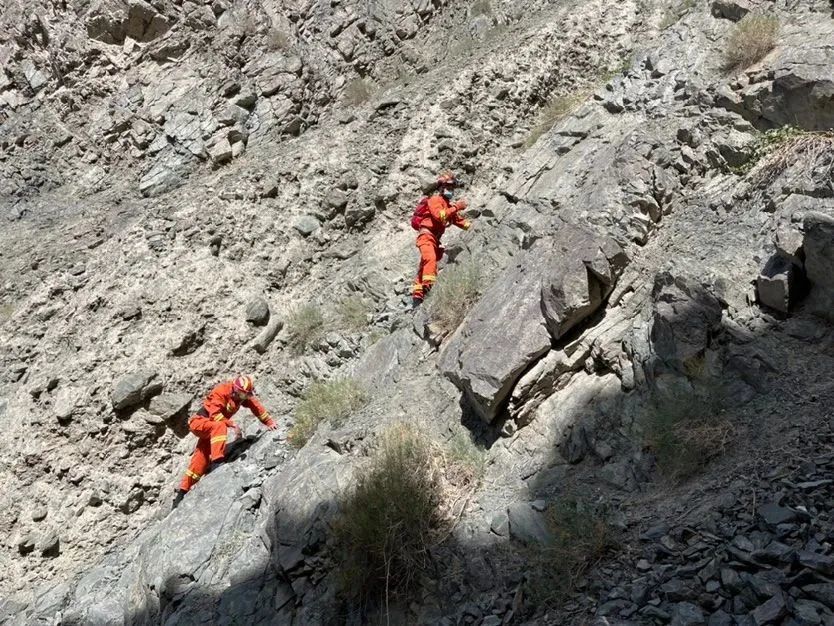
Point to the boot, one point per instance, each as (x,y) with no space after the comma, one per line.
(178,498)
(215,464)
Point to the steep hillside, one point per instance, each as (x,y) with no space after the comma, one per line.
(650,347)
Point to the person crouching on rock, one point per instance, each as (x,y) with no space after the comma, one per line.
(430,219)
(212,422)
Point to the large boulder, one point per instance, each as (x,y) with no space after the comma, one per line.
(819,261)
(134,388)
(554,285)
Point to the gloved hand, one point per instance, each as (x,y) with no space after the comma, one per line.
(270,424)
(461,205)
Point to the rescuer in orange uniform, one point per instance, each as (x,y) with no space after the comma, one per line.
(431,218)
(213,420)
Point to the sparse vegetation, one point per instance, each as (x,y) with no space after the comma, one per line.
(685,433)
(353,313)
(779,148)
(751,39)
(357,91)
(557,109)
(453,296)
(464,453)
(6,311)
(581,536)
(304,326)
(332,400)
(402,503)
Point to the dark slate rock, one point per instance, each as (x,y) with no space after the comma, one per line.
(687,614)
(132,389)
(821,592)
(257,312)
(771,611)
(819,562)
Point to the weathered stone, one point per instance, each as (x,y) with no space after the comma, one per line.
(771,611)
(732,9)
(819,261)
(687,614)
(169,405)
(358,213)
(773,514)
(221,152)
(306,225)
(268,334)
(49,545)
(257,312)
(822,592)
(133,389)
(776,284)
(527,525)
(553,286)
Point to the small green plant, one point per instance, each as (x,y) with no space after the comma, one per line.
(751,39)
(557,109)
(353,314)
(456,291)
(403,502)
(357,91)
(581,536)
(304,326)
(334,400)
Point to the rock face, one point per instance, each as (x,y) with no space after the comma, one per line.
(161,163)
(553,286)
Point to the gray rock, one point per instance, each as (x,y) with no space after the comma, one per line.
(732,9)
(527,525)
(687,614)
(819,261)
(358,213)
(268,334)
(49,545)
(257,312)
(134,388)
(777,283)
(306,225)
(771,611)
(821,592)
(819,562)
(169,405)
(221,152)
(500,524)
(553,286)
(773,514)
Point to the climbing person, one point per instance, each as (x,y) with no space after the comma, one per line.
(431,217)
(211,423)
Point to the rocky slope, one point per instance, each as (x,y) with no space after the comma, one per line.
(165,165)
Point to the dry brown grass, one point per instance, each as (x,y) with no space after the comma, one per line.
(751,39)
(457,289)
(555,110)
(405,500)
(781,148)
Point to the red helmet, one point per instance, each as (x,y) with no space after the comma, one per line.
(244,385)
(447,179)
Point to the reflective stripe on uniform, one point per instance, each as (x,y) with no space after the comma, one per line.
(193,475)
(218,417)
(429,278)
(218,438)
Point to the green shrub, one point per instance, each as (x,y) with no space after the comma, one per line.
(557,109)
(581,536)
(403,502)
(333,400)
(304,326)
(751,39)
(465,454)
(457,289)
(353,314)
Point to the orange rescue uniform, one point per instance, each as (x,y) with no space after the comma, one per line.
(441,214)
(210,425)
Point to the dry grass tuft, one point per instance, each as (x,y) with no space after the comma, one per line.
(556,110)
(581,537)
(357,91)
(751,39)
(334,400)
(457,289)
(780,148)
(304,326)
(403,502)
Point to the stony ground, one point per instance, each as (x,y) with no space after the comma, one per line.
(170,168)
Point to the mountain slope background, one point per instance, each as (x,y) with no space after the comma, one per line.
(165,165)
